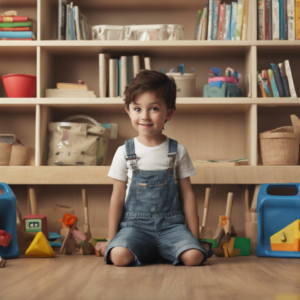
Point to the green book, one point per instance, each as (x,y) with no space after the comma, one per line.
(15,24)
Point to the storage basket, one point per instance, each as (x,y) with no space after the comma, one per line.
(107,32)
(280,146)
(185,84)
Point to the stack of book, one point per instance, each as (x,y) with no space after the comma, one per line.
(15,27)
(116,73)
(220,21)
(72,24)
(277,81)
(70,90)
(278,19)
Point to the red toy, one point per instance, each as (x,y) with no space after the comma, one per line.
(5,238)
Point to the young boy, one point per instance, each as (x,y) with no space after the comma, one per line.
(152,194)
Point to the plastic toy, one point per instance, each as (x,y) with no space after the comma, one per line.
(94,241)
(35,223)
(5,238)
(205,232)
(237,246)
(8,212)
(40,247)
(287,239)
(278,205)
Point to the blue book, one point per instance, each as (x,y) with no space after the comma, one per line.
(210,19)
(17,34)
(278,79)
(281,20)
(216,22)
(233,20)
(273,84)
(228,22)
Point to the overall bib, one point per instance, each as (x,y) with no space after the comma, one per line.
(153,221)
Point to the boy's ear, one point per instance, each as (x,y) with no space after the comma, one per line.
(170,114)
(126,109)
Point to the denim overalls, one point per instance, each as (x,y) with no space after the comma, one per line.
(153,222)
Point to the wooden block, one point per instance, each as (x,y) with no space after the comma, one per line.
(253,217)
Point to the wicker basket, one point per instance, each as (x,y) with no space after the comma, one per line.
(280,146)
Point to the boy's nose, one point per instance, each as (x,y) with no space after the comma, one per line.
(145,116)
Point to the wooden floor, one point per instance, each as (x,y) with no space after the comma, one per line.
(87,277)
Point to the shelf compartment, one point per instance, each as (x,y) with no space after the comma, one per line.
(98,175)
(20,121)
(68,64)
(118,12)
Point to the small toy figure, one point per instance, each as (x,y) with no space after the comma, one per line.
(35,223)
(2,262)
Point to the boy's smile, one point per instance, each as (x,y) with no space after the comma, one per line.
(148,115)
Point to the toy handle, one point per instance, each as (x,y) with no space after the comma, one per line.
(264,189)
(6,190)
(85,206)
(229,205)
(206,204)
(81,117)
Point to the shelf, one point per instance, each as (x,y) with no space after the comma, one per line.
(98,175)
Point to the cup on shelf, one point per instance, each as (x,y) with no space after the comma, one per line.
(19,156)
(19,85)
(5,153)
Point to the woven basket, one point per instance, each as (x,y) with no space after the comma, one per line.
(279,147)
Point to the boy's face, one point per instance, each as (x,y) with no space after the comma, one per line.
(148,114)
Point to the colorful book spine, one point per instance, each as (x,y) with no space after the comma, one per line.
(216,21)
(281,20)
(204,31)
(13,19)
(262,85)
(200,26)
(297,19)
(6,39)
(288,72)
(273,84)
(197,24)
(267,20)
(210,20)
(16,24)
(16,29)
(285,20)
(291,19)
(17,34)
(245,20)
(226,34)
(265,76)
(239,20)
(233,20)
(261,19)
(278,79)
(284,80)
(221,21)
(275,19)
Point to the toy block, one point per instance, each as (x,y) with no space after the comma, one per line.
(35,223)
(239,246)
(69,244)
(5,238)
(40,247)
(287,239)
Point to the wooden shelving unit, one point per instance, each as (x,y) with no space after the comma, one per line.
(210,128)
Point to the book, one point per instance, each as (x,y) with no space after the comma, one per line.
(239,20)
(15,29)
(103,74)
(281,20)
(123,74)
(216,21)
(113,77)
(77,23)
(13,19)
(200,25)
(268,17)
(288,72)
(73,86)
(261,85)
(291,19)
(147,61)
(265,75)
(269,4)
(284,80)
(65,93)
(273,84)
(278,79)
(210,19)
(285,20)
(226,31)
(245,20)
(85,27)
(297,19)
(16,24)
(221,21)
(17,34)
(62,6)
(275,19)
(3,39)
(233,20)
(204,29)
(261,19)
(197,24)
(136,65)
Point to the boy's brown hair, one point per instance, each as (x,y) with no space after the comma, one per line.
(147,81)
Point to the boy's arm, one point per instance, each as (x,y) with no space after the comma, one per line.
(189,205)
(116,207)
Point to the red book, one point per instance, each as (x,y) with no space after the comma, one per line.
(13,19)
(15,29)
(221,21)
(16,39)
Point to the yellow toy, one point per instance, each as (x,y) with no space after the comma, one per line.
(40,247)
(287,239)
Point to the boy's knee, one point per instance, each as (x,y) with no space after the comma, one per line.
(121,256)
(192,257)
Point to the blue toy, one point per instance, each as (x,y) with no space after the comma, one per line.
(8,212)
(275,212)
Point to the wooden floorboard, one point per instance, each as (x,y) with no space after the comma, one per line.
(88,277)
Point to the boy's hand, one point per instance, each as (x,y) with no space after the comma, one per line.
(100,248)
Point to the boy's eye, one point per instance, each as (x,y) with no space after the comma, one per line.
(154,108)
(137,109)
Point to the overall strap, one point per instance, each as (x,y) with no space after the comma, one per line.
(130,153)
(172,155)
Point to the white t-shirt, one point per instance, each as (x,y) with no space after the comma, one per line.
(150,158)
